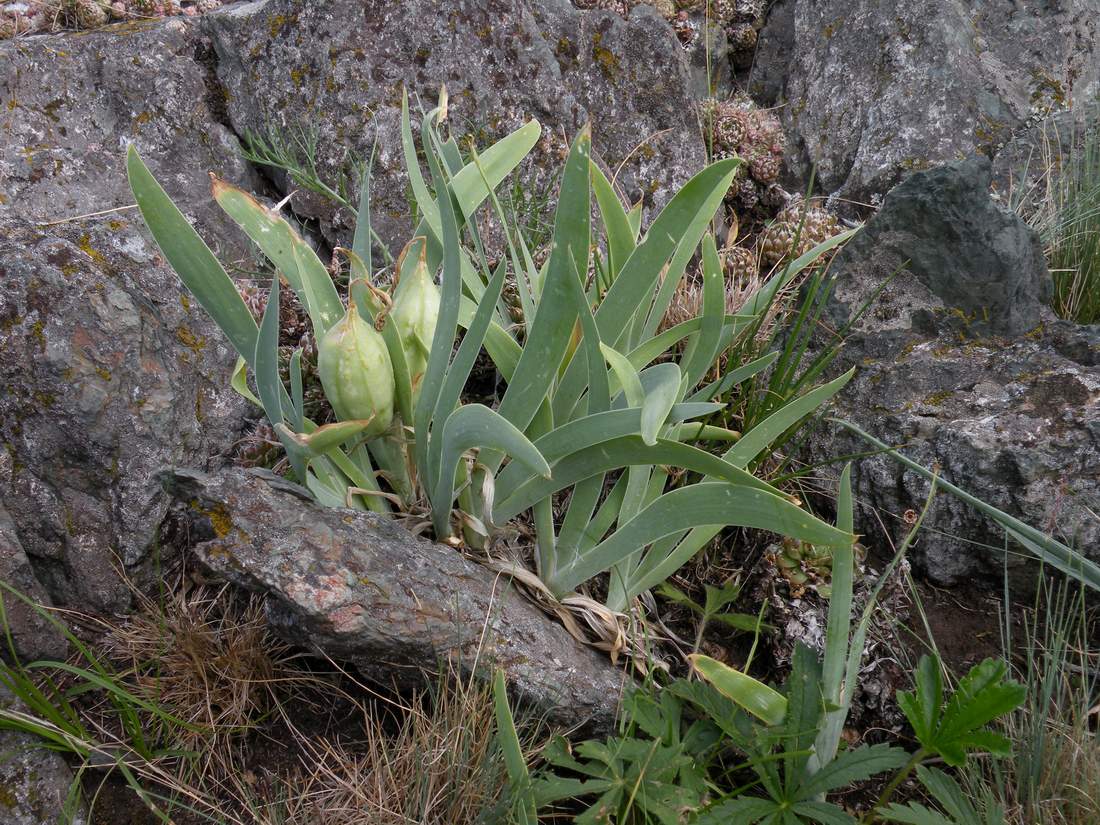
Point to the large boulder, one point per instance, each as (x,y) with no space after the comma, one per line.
(966,260)
(364,590)
(962,366)
(35,783)
(871,90)
(72,104)
(107,371)
(334,71)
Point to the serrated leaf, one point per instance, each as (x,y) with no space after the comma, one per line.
(853,766)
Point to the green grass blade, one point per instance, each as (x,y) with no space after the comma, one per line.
(759,437)
(512,751)
(734,377)
(1044,547)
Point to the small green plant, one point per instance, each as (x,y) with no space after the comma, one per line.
(786,741)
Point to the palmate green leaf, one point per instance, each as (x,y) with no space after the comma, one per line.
(548,338)
(983,695)
(954,800)
(824,812)
(853,766)
(285,248)
(475,425)
(742,809)
(709,503)
(192,259)
(763,702)
(922,706)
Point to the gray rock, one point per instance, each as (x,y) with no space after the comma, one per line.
(873,90)
(365,591)
(107,372)
(34,782)
(946,370)
(967,261)
(72,104)
(1016,424)
(32,634)
(337,67)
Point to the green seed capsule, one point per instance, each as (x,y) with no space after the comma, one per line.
(356,372)
(415,311)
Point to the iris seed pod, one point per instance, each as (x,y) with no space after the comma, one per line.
(415,311)
(356,372)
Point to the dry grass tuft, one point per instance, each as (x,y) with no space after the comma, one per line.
(432,761)
(206,657)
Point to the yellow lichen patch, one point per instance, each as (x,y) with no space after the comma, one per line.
(85,244)
(218,517)
(195,343)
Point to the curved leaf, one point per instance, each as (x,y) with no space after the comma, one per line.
(766,704)
(192,259)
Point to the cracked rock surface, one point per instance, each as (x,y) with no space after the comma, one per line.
(338,67)
(364,590)
(107,372)
(872,91)
(960,362)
